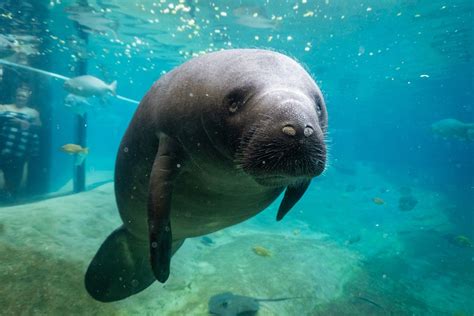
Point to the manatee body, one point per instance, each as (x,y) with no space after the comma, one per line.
(212,143)
(452,128)
(88,86)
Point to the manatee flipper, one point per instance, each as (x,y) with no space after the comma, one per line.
(292,195)
(120,268)
(165,169)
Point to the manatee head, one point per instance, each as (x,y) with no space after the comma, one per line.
(285,140)
(260,110)
(276,134)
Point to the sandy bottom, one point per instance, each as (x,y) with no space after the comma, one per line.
(337,253)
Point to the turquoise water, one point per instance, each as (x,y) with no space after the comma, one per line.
(396,200)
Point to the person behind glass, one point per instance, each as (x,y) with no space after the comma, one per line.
(19,127)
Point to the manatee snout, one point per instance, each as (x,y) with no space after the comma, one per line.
(288,144)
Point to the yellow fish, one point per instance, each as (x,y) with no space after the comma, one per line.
(259,250)
(378,201)
(463,241)
(74,149)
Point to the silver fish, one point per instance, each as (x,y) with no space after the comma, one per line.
(254,17)
(452,128)
(256,22)
(92,20)
(88,86)
(77,104)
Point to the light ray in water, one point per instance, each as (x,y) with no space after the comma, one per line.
(54,75)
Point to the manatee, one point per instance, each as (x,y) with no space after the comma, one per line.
(213,142)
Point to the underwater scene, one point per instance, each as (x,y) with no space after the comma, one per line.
(237,157)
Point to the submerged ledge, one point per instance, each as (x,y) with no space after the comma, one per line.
(47,247)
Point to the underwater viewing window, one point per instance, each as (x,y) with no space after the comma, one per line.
(43,129)
(25,110)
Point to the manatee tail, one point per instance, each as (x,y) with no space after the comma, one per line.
(113,88)
(120,268)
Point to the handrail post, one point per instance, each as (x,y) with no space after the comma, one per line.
(79,183)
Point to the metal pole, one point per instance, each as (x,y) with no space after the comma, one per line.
(81,121)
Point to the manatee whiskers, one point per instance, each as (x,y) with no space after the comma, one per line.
(327,163)
(246,139)
(266,116)
(260,154)
(327,138)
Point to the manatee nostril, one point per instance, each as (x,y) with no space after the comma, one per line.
(289,130)
(308,131)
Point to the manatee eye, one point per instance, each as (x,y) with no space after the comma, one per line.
(319,109)
(236,99)
(234,107)
(318,101)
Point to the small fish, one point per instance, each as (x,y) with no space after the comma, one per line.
(78,150)
(92,20)
(463,241)
(74,149)
(207,241)
(77,104)
(352,240)
(261,251)
(378,201)
(452,128)
(254,17)
(256,22)
(88,86)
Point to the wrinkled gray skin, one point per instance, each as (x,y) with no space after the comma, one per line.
(213,143)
